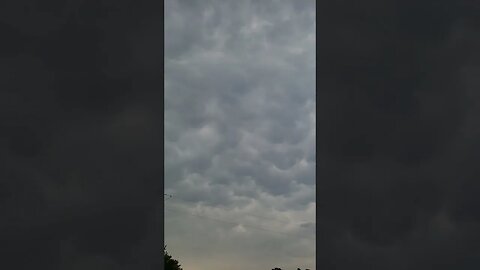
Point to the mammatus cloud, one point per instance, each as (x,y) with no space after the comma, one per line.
(239,133)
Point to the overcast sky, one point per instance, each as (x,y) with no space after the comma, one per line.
(398,135)
(80,122)
(240,134)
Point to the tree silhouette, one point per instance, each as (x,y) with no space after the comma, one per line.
(170,263)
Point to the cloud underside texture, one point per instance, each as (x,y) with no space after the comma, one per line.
(398,138)
(239,132)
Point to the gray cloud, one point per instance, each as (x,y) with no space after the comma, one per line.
(240,128)
(79,133)
(398,136)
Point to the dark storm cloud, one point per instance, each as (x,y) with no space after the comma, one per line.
(237,101)
(79,133)
(396,135)
(239,131)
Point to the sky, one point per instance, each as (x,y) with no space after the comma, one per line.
(398,135)
(80,135)
(240,134)
(396,155)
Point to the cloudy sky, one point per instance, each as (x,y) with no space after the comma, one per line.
(398,135)
(80,122)
(397,125)
(240,134)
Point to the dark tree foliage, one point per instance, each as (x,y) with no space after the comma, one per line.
(170,263)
